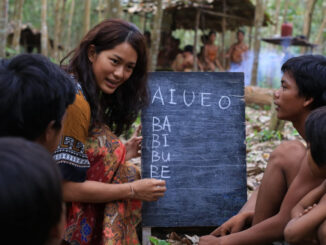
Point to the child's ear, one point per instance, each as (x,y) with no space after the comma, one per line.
(308,101)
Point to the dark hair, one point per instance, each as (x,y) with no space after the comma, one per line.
(241,31)
(120,109)
(210,33)
(30,192)
(33,92)
(309,73)
(315,129)
(188,48)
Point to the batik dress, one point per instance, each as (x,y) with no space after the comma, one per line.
(96,155)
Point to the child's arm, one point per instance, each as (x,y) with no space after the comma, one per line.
(308,215)
(308,200)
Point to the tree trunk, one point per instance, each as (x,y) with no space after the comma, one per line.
(114,9)
(319,38)
(18,12)
(309,9)
(87,17)
(71,14)
(285,7)
(62,24)
(277,13)
(57,28)
(3,27)
(258,96)
(259,17)
(156,35)
(44,29)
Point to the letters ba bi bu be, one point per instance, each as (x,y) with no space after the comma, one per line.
(161,126)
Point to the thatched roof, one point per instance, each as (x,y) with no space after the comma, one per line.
(237,13)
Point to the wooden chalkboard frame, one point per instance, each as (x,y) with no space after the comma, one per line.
(209,104)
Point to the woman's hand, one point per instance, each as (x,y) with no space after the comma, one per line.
(235,224)
(148,189)
(133,145)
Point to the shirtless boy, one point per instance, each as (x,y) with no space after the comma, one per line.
(287,177)
(237,50)
(308,223)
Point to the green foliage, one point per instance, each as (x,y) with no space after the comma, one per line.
(156,241)
(266,135)
(11,52)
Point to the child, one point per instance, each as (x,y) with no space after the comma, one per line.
(34,95)
(31,206)
(309,215)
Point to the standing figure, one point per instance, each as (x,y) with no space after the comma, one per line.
(237,52)
(211,53)
(103,191)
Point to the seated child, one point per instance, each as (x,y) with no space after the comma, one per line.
(31,206)
(308,222)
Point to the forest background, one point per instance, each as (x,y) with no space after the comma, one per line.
(64,22)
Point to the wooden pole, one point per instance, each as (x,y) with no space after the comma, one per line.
(195,68)
(223,33)
(3,27)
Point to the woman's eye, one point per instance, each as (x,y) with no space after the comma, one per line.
(114,61)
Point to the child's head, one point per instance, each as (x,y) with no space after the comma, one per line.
(309,73)
(34,95)
(31,206)
(315,128)
(303,87)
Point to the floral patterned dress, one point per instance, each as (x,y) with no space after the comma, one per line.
(114,222)
(98,156)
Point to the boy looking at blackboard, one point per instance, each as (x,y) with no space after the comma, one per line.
(287,177)
(309,215)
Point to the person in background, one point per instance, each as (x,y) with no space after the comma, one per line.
(308,221)
(211,52)
(31,206)
(103,191)
(238,53)
(185,60)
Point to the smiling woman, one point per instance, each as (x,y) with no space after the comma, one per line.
(102,189)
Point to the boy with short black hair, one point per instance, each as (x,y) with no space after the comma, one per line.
(34,95)
(309,215)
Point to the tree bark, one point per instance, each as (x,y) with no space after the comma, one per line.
(44,29)
(57,28)
(156,35)
(71,14)
(259,17)
(319,38)
(3,27)
(62,24)
(87,17)
(277,13)
(18,12)
(285,7)
(309,9)
(114,9)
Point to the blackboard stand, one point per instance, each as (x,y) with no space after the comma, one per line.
(147,232)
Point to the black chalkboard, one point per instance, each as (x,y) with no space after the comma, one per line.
(194,138)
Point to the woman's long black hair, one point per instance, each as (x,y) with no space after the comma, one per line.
(120,109)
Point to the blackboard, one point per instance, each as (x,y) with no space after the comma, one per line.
(194,139)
